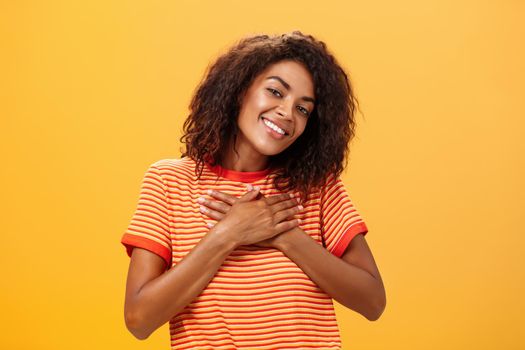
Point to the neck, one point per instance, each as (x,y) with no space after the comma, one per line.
(246,159)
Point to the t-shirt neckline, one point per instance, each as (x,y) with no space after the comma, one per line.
(243,176)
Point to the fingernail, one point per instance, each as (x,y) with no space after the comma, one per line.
(210,192)
(257,188)
(249,187)
(291,195)
(300,207)
(202,209)
(200,200)
(209,224)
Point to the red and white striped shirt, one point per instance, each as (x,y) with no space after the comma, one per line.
(259,298)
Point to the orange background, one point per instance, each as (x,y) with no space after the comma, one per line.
(94,92)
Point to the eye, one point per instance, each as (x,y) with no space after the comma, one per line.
(303,110)
(274,92)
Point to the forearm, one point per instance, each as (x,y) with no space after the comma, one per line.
(348,284)
(165,296)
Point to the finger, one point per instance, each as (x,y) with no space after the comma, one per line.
(214,205)
(287,225)
(271,200)
(286,205)
(226,198)
(248,196)
(283,214)
(211,213)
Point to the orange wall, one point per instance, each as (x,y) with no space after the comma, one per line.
(93,92)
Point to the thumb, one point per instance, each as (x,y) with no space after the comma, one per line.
(251,194)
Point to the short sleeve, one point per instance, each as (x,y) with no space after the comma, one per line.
(340,221)
(150,224)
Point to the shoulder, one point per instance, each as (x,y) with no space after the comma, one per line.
(330,182)
(170,163)
(175,168)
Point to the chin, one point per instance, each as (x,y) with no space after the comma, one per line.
(267,151)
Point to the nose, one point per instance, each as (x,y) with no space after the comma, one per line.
(285,109)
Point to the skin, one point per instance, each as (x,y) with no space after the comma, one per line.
(267,96)
(352,280)
(154,295)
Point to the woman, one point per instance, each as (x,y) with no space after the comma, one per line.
(244,241)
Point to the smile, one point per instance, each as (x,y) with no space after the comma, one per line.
(273,130)
(274,127)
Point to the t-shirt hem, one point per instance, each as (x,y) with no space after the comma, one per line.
(131,241)
(347,237)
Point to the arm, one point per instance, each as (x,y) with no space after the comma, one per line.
(352,280)
(154,297)
(361,288)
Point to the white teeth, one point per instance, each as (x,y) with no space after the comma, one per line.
(273,126)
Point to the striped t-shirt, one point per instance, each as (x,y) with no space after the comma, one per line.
(259,298)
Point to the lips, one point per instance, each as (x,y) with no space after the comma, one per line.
(286,131)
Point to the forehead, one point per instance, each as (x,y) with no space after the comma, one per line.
(292,72)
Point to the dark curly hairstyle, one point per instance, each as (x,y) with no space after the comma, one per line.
(321,150)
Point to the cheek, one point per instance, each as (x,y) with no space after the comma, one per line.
(258,100)
(252,101)
(298,133)
(301,126)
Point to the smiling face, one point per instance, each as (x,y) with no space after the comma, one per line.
(274,111)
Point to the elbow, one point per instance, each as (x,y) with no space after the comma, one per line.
(135,325)
(375,314)
(377,308)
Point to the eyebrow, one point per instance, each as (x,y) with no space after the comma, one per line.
(287,86)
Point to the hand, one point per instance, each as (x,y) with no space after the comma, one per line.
(222,203)
(277,240)
(274,241)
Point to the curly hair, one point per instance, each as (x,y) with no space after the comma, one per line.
(321,150)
